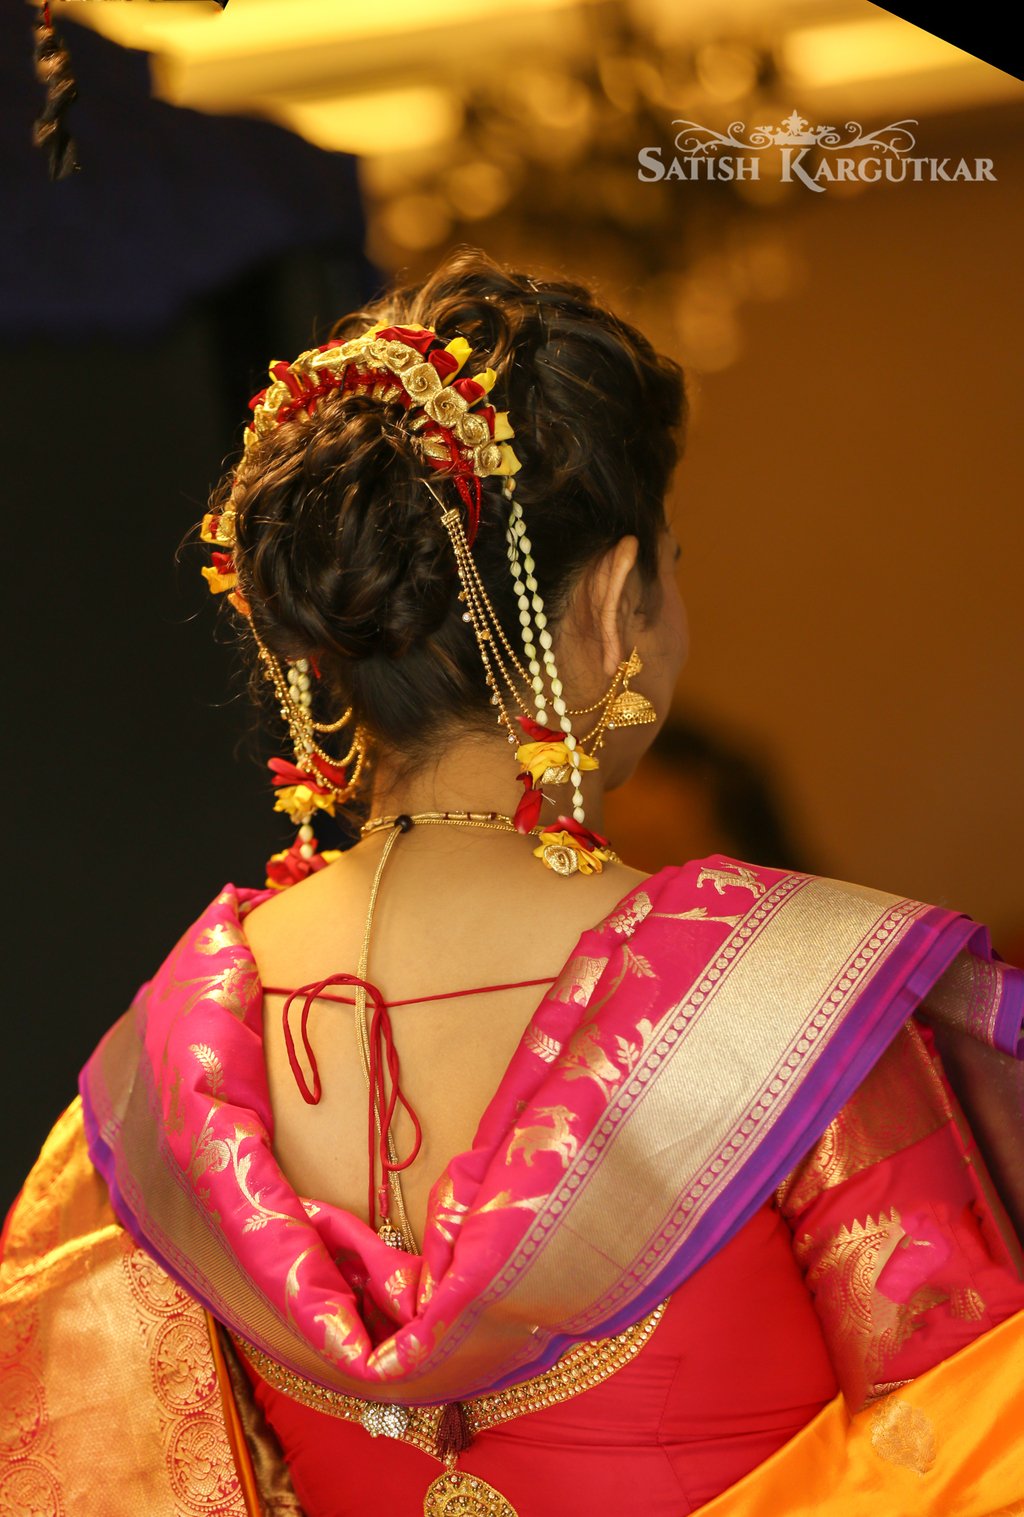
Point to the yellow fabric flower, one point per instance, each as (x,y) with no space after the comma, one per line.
(217,580)
(460,350)
(300,801)
(509,462)
(565,854)
(486,379)
(218,528)
(539,759)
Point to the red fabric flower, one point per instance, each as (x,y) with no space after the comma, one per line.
(589,840)
(528,810)
(288,867)
(281,371)
(470,391)
(413,337)
(537,733)
(443,361)
(287,773)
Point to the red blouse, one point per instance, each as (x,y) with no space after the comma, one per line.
(883,1253)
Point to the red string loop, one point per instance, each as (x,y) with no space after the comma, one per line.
(385,1091)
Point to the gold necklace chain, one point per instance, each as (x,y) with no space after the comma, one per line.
(400,1236)
(495,820)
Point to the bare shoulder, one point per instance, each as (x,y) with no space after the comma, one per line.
(281,912)
(286,930)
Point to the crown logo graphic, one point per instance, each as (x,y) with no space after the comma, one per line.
(697,141)
(796,132)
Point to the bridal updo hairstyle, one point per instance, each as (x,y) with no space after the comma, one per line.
(340,549)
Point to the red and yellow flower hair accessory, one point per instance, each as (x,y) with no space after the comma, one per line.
(460,434)
(455,430)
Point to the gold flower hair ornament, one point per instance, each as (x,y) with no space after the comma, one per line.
(452,427)
(458,433)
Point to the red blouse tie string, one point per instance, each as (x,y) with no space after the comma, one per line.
(383,1068)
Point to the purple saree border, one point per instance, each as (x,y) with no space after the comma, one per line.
(1008,1027)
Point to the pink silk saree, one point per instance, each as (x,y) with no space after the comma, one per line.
(696,1044)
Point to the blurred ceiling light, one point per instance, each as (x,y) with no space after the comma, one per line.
(191,27)
(553,98)
(626,79)
(373,123)
(728,71)
(820,56)
(477,189)
(230,60)
(709,335)
(764,267)
(416,222)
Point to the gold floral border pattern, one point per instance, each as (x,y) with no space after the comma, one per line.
(580,1369)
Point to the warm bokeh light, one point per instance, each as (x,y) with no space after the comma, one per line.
(882,48)
(374,121)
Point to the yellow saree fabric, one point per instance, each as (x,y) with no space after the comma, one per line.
(948,1444)
(110,1402)
(117,1401)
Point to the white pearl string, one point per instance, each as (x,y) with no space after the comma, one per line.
(300,689)
(535,630)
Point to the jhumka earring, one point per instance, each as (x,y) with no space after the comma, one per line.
(620,706)
(629,708)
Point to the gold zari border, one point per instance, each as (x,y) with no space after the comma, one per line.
(580,1369)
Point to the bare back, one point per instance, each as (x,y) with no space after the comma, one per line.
(454,912)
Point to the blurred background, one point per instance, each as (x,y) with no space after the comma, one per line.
(849,505)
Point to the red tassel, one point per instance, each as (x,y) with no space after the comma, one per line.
(453,1435)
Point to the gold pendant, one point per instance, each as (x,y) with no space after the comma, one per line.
(390,1235)
(456,1494)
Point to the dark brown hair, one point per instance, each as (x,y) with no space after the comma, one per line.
(340,549)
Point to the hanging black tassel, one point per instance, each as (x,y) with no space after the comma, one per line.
(453,1435)
(53,69)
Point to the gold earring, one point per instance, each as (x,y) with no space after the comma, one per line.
(629,708)
(621,707)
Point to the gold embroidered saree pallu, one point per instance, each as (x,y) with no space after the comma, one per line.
(116,1397)
(698,1041)
(695,1045)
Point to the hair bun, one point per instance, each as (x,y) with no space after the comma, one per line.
(342,549)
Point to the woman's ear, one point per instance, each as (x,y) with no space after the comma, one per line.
(611,601)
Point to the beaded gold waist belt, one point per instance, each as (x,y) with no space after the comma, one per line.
(444,1431)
